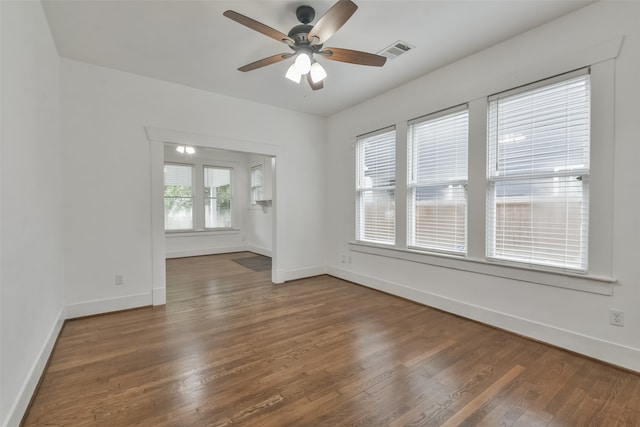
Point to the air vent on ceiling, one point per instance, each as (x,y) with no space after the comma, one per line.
(396,49)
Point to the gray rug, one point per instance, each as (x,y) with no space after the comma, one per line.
(255,263)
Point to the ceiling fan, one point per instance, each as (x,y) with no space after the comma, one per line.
(307,40)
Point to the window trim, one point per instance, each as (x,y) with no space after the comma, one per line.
(193,198)
(492,180)
(360,188)
(231,204)
(198,220)
(590,283)
(254,202)
(411,185)
(599,279)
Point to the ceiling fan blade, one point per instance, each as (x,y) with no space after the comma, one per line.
(258,26)
(314,86)
(331,21)
(266,61)
(353,56)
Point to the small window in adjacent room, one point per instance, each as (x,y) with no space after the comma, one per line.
(178,197)
(217,197)
(375,187)
(538,173)
(437,175)
(257,184)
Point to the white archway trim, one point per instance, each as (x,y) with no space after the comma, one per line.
(157,137)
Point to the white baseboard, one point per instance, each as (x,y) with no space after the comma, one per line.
(204,251)
(259,251)
(21,403)
(107,305)
(616,354)
(159,296)
(300,273)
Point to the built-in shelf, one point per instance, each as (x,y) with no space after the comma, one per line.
(264,204)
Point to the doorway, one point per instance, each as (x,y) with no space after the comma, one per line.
(158,139)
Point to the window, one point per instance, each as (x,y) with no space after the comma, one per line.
(217,197)
(375,187)
(178,197)
(257,184)
(437,175)
(538,170)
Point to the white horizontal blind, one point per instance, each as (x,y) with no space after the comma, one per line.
(375,187)
(178,197)
(538,170)
(437,196)
(217,197)
(257,183)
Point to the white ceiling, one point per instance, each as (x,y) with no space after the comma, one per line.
(191,43)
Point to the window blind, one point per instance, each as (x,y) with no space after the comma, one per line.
(437,196)
(375,187)
(538,170)
(178,197)
(217,197)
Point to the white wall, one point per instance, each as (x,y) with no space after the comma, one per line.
(572,319)
(31,279)
(179,244)
(107,160)
(259,229)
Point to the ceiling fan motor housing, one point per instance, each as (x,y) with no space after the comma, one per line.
(299,33)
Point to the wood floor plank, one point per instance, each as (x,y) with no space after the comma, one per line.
(482,398)
(231,348)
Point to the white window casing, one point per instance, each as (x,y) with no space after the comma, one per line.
(178,197)
(218,197)
(437,181)
(538,165)
(257,184)
(375,187)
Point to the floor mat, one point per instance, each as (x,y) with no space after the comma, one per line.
(255,263)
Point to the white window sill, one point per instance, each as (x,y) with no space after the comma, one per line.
(201,233)
(579,282)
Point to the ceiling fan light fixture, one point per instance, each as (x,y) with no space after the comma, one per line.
(182,149)
(293,74)
(305,40)
(318,72)
(303,63)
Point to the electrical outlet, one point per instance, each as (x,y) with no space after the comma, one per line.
(119,280)
(343,258)
(349,259)
(616,317)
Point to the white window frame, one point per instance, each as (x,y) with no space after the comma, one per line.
(455,183)
(198,197)
(231,203)
(532,254)
(366,187)
(599,278)
(193,198)
(256,187)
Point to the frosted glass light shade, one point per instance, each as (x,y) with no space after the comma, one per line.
(293,74)
(182,149)
(303,63)
(318,72)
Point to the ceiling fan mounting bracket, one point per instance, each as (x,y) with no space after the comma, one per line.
(305,14)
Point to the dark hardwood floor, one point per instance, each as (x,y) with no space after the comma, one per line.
(231,348)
